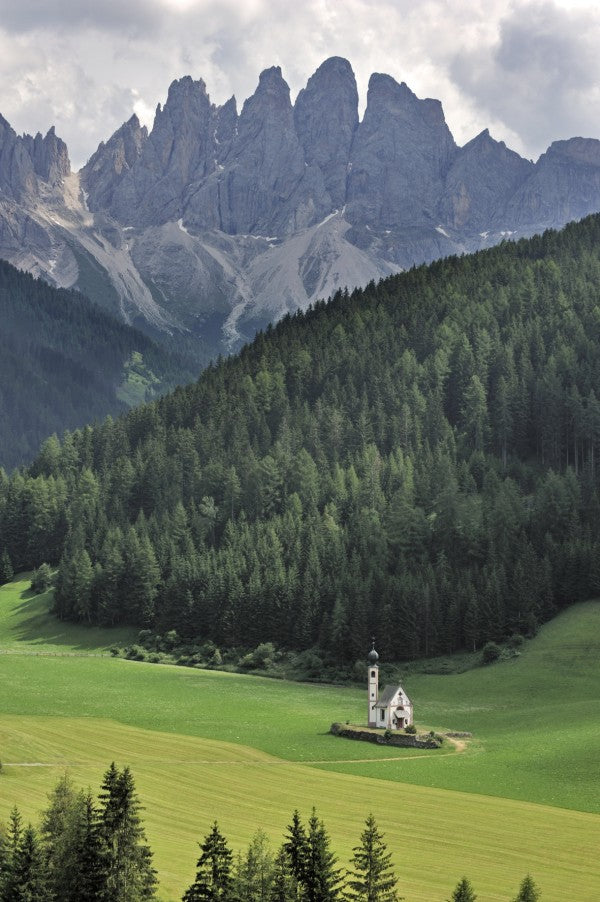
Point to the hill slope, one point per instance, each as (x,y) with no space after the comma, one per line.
(416,460)
(64,362)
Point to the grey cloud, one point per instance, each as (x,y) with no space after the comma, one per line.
(141,16)
(541,79)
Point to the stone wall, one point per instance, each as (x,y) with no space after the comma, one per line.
(402,740)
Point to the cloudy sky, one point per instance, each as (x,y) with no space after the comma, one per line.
(527,69)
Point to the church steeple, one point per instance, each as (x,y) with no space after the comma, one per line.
(372,685)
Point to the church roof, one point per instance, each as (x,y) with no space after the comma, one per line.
(387,694)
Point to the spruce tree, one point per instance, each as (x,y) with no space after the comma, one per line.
(528,891)
(89,874)
(296,849)
(321,882)
(284,886)
(214,882)
(254,871)
(74,851)
(53,831)
(6,568)
(463,892)
(372,878)
(130,875)
(26,877)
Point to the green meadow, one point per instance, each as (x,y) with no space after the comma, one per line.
(523,796)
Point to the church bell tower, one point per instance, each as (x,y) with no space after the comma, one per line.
(373,686)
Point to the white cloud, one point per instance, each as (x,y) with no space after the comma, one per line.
(527,70)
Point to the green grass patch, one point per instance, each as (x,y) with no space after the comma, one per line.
(435,836)
(139,382)
(247,750)
(27,626)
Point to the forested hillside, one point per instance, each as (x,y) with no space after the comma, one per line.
(416,460)
(64,363)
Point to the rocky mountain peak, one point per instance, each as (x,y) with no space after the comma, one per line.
(271,80)
(482,174)
(564,185)
(400,154)
(51,157)
(326,118)
(271,98)
(179,149)
(108,165)
(583,151)
(25,161)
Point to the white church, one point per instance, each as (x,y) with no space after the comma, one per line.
(390,710)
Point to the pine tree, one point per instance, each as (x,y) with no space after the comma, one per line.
(130,876)
(296,849)
(254,871)
(89,876)
(26,878)
(528,891)
(321,882)
(463,892)
(284,886)
(6,568)
(371,878)
(8,852)
(53,832)
(74,851)
(214,882)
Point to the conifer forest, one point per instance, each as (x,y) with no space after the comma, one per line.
(417,460)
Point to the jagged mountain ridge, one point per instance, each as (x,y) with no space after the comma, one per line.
(216,222)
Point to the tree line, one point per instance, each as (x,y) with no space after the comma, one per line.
(88,850)
(418,460)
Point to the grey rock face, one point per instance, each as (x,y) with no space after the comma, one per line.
(106,168)
(564,185)
(24,160)
(483,174)
(50,157)
(326,119)
(178,149)
(401,153)
(265,185)
(17,172)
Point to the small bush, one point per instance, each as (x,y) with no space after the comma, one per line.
(135,653)
(491,652)
(216,658)
(115,651)
(170,640)
(410,729)
(260,659)
(516,641)
(387,735)
(41,579)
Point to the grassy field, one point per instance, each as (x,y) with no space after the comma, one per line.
(248,750)
(26,626)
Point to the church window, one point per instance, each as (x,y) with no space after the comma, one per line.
(372,673)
